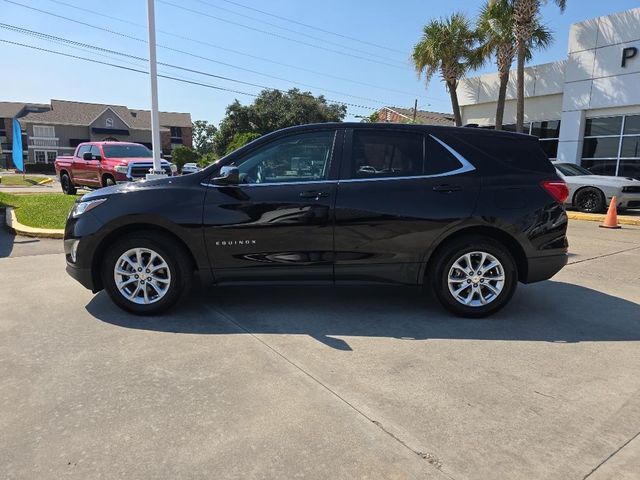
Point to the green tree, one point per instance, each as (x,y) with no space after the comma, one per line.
(241,139)
(273,110)
(525,15)
(203,136)
(207,159)
(183,154)
(495,27)
(447,46)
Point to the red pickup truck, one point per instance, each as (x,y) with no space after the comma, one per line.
(100,164)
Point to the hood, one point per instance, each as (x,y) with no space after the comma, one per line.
(602,180)
(141,185)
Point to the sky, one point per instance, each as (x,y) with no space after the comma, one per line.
(352,51)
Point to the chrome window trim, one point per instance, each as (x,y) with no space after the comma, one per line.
(466,167)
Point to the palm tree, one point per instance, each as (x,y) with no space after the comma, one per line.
(525,13)
(496,30)
(447,47)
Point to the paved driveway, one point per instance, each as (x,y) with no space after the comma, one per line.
(323,382)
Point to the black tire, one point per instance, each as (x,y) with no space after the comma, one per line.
(443,262)
(67,185)
(179,265)
(108,181)
(590,200)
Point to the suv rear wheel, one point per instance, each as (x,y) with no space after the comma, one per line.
(146,274)
(474,276)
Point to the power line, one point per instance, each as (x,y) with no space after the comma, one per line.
(277,35)
(319,29)
(170,77)
(297,32)
(57,39)
(238,52)
(141,40)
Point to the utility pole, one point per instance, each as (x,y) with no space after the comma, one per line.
(156,171)
(415,110)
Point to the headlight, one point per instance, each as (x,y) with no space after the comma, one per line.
(83,207)
(174,169)
(122,168)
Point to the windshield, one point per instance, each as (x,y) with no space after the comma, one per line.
(570,170)
(126,151)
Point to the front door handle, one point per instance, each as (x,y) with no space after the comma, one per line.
(314,194)
(446,188)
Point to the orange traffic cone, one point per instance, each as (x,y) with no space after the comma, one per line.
(611,220)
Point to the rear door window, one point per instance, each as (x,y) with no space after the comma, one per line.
(384,154)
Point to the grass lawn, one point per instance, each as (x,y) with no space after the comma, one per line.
(18,181)
(48,210)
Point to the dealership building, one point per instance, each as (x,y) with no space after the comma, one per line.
(585,109)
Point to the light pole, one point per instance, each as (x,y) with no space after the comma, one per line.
(156,171)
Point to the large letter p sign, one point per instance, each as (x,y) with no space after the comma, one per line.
(627,54)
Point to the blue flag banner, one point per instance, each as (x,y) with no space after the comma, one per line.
(18,159)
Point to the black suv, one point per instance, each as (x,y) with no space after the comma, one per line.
(464,212)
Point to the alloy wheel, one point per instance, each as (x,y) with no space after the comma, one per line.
(476,279)
(142,276)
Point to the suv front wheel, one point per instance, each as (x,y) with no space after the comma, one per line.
(146,274)
(474,276)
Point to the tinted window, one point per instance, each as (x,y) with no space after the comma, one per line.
(439,159)
(516,151)
(126,151)
(295,158)
(630,147)
(570,170)
(547,129)
(605,147)
(550,148)
(632,125)
(386,154)
(603,126)
(95,151)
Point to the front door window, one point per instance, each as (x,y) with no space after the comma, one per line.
(294,159)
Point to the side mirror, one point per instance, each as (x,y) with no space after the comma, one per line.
(229,175)
(87,156)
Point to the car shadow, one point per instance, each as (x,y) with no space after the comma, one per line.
(550,311)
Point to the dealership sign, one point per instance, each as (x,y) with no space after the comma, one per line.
(627,54)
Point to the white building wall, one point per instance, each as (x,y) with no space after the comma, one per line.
(595,77)
(591,82)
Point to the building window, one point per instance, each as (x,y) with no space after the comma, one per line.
(612,145)
(548,132)
(45,156)
(176,135)
(44,131)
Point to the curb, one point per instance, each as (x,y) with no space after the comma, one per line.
(19,229)
(599,217)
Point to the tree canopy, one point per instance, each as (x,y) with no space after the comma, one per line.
(273,110)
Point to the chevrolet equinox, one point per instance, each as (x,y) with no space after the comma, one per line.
(465,213)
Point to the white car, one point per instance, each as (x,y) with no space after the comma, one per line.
(592,193)
(190,168)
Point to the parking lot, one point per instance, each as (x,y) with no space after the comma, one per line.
(292,382)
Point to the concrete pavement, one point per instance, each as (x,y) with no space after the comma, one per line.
(276,382)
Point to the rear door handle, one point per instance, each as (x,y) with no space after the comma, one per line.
(445,188)
(314,194)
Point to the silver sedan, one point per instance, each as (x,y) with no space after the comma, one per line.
(592,193)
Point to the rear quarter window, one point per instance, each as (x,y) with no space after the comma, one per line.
(520,152)
(439,160)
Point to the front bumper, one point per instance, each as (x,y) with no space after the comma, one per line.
(543,268)
(628,200)
(82,275)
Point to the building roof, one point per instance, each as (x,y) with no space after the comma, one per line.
(422,116)
(65,112)
(11,109)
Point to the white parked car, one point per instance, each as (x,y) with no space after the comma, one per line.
(592,193)
(190,168)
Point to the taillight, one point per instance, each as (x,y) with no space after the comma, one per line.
(557,189)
